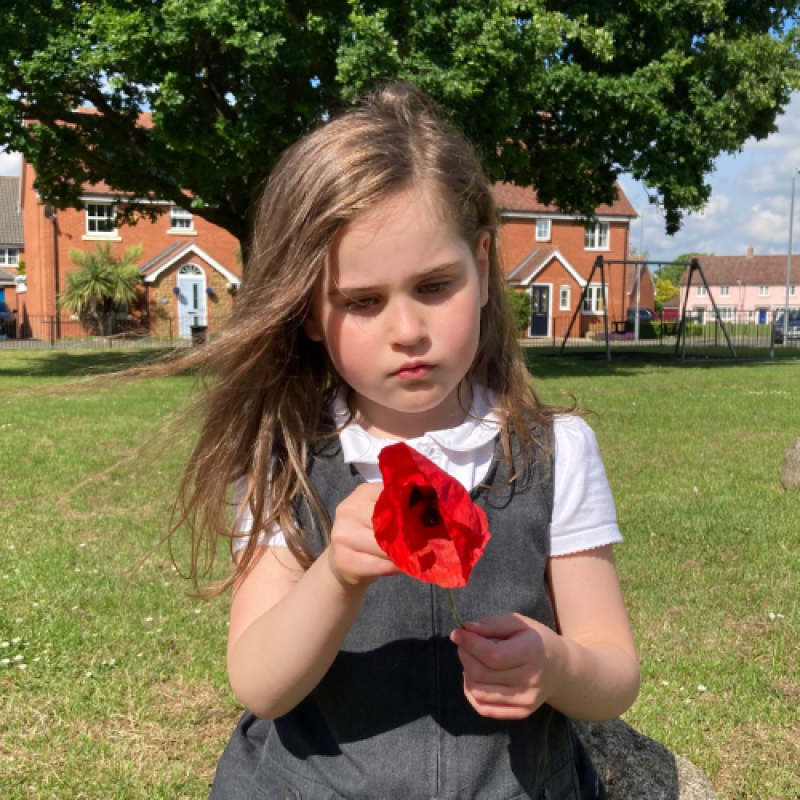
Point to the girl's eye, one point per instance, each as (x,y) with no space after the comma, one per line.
(362,304)
(434,288)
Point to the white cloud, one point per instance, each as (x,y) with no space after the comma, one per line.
(768,227)
(749,203)
(10,163)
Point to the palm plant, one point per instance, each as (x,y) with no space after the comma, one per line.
(102,281)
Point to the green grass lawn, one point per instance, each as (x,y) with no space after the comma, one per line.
(103,701)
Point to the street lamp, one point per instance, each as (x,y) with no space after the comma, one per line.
(789,263)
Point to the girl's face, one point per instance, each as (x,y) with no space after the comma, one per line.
(398,310)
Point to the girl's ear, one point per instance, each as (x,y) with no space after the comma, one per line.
(482,260)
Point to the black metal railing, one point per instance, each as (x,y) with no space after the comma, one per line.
(32,331)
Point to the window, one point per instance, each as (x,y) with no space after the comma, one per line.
(180,219)
(763,291)
(596,236)
(563,299)
(542,230)
(726,313)
(9,255)
(701,291)
(593,302)
(700,314)
(100,218)
(791,291)
(724,291)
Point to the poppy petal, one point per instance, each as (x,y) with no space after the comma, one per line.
(425,520)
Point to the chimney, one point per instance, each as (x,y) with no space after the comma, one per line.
(750,251)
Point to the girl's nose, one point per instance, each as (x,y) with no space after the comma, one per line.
(407,324)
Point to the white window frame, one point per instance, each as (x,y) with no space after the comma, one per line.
(594,235)
(180,216)
(545,234)
(699,312)
(564,299)
(791,291)
(95,219)
(701,291)
(726,313)
(763,291)
(594,299)
(9,256)
(724,291)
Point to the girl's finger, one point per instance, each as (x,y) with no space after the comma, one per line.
(500,695)
(502,627)
(476,671)
(500,655)
(496,711)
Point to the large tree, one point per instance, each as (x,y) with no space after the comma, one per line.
(560,94)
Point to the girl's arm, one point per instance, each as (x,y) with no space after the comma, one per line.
(589,670)
(287,624)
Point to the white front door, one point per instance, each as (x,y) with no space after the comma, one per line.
(191,299)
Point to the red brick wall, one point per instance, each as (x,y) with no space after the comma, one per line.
(45,260)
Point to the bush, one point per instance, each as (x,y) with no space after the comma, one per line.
(647,330)
(693,329)
(520,303)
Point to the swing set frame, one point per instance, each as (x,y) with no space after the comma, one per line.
(695,268)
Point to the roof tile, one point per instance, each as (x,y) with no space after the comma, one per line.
(510,197)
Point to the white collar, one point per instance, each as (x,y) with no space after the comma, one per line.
(479,428)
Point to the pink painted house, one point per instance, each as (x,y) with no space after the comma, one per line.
(750,287)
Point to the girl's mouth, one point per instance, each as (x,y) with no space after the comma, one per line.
(411,371)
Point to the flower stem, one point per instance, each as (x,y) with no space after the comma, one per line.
(453,608)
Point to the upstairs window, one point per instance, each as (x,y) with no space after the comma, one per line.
(701,291)
(791,291)
(180,219)
(542,230)
(596,236)
(9,255)
(724,291)
(763,291)
(100,218)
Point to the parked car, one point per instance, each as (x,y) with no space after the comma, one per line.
(8,322)
(793,331)
(645,314)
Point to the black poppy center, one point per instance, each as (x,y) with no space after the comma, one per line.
(430,516)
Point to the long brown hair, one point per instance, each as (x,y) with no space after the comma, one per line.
(268,385)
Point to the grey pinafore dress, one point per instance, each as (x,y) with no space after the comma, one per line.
(390,719)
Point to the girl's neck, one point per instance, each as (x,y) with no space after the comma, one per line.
(384,423)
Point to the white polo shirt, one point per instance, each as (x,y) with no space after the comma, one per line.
(583,517)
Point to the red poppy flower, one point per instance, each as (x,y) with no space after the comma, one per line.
(425,520)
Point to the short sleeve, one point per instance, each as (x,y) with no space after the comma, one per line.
(245,523)
(584,515)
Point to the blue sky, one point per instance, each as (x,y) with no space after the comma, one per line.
(749,202)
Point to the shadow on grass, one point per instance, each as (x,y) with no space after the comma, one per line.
(55,364)
(548,362)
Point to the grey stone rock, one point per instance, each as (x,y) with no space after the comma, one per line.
(790,472)
(635,767)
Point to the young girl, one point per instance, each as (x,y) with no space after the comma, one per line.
(373,310)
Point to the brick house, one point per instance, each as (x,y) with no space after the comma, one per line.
(750,287)
(189,267)
(12,241)
(550,255)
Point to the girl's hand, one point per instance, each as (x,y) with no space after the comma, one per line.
(510,665)
(353,555)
